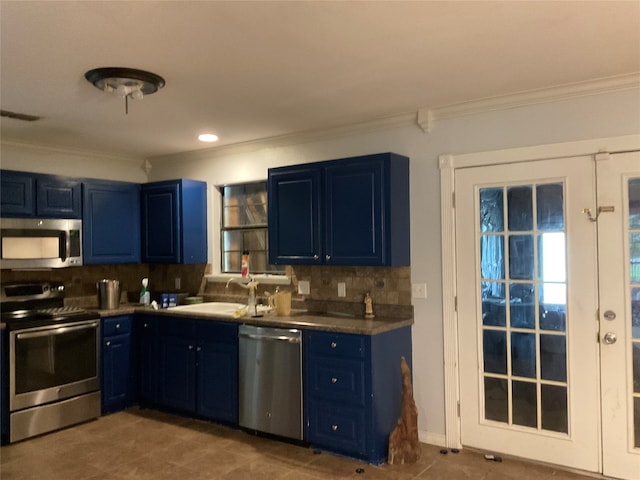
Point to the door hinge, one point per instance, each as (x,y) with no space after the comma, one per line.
(455,303)
(453,199)
(458,408)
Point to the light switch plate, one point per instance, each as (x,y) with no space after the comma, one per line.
(304,288)
(419,290)
(342,289)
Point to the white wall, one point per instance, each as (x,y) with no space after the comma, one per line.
(71,163)
(601,116)
(598,116)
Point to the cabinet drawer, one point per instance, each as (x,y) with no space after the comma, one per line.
(338,429)
(219,332)
(177,327)
(116,325)
(335,344)
(336,380)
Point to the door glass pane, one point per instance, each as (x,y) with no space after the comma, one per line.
(554,408)
(521,257)
(522,305)
(550,206)
(495,351)
(493,304)
(634,274)
(491,210)
(496,399)
(525,404)
(523,355)
(553,352)
(520,208)
(525,345)
(492,257)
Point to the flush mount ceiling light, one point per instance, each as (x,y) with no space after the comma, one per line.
(208,137)
(125,82)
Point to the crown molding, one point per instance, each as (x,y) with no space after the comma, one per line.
(381,123)
(530,97)
(70,151)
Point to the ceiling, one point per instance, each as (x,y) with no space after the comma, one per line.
(254,70)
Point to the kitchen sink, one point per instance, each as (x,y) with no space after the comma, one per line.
(220,309)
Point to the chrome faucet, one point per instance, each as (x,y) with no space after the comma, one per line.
(252,286)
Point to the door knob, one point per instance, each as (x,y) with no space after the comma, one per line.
(609,338)
(610,315)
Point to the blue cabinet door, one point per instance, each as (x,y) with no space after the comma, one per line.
(18,194)
(177,363)
(117,366)
(58,197)
(111,222)
(354,213)
(147,351)
(217,367)
(177,373)
(174,222)
(295,223)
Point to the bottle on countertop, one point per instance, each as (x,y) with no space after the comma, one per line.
(245,263)
(145,296)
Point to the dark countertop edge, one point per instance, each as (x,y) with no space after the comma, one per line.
(303,320)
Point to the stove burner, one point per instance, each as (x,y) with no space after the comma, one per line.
(61,311)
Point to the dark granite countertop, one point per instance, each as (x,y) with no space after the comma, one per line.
(328,322)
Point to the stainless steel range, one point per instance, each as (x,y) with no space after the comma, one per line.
(53,359)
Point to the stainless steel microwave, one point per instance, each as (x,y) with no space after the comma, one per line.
(32,243)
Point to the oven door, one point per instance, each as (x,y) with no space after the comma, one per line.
(53,362)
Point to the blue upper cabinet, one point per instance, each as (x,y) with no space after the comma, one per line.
(295,226)
(111,222)
(352,211)
(174,222)
(58,197)
(18,194)
(27,194)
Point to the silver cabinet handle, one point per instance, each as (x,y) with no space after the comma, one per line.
(609,338)
(146,325)
(328,257)
(198,349)
(117,325)
(190,347)
(108,344)
(334,380)
(315,257)
(334,427)
(334,344)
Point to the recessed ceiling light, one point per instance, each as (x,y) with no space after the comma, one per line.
(208,137)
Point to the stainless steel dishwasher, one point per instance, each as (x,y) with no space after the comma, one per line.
(270,393)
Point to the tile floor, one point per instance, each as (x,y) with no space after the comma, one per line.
(146,444)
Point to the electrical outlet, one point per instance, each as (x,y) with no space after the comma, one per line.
(342,289)
(176,283)
(304,287)
(419,290)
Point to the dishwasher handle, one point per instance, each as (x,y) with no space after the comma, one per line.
(273,338)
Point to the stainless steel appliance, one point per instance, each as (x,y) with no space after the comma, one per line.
(270,393)
(53,355)
(40,243)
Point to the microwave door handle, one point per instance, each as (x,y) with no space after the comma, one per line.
(55,331)
(67,246)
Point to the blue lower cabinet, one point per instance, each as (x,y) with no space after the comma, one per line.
(117,366)
(353,391)
(198,367)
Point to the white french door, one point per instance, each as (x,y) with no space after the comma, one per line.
(543,374)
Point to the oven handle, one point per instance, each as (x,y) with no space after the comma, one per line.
(56,330)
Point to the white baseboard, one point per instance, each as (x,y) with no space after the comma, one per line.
(438,439)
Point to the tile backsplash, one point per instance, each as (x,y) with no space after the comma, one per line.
(389,287)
